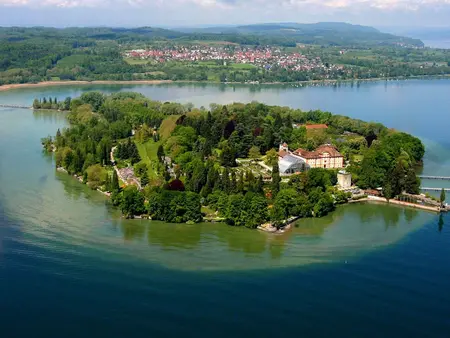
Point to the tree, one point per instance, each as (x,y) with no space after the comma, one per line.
(318,177)
(240,183)
(254,152)
(285,202)
(95,99)
(324,205)
(36,104)
(160,153)
(132,202)
(259,185)
(115,182)
(66,104)
(276,179)
(271,157)
(387,191)
(167,175)
(298,137)
(227,157)
(199,176)
(174,206)
(144,179)
(442,197)
(412,182)
(140,168)
(96,175)
(234,209)
(258,212)
(233,182)
(176,185)
(397,178)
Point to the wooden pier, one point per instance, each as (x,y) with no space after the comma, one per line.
(434,189)
(15,106)
(426,177)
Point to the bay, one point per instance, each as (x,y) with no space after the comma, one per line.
(69,266)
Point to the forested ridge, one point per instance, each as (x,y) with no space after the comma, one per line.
(194,163)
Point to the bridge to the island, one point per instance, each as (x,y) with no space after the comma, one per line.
(16,106)
(434,189)
(428,177)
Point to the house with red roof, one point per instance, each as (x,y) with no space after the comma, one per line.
(326,156)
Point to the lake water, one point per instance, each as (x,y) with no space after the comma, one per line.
(444,44)
(70,267)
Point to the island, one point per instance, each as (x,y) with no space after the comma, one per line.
(251,165)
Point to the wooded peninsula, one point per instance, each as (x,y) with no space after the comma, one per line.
(178,163)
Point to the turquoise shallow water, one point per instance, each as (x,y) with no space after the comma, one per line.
(70,267)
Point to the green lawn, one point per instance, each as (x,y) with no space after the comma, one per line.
(242,66)
(133,61)
(72,60)
(148,152)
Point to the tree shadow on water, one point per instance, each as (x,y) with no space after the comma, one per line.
(441,222)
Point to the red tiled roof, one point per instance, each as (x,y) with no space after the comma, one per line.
(328,148)
(325,148)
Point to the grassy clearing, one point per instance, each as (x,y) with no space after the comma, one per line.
(167,126)
(213,43)
(242,66)
(157,73)
(72,60)
(148,152)
(133,61)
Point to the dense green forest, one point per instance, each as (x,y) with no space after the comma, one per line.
(193,163)
(322,33)
(29,55)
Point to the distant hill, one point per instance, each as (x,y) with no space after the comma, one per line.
(282,34)
(322,33)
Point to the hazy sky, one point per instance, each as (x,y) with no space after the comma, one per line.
(197,12)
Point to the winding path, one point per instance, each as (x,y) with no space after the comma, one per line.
(135,179)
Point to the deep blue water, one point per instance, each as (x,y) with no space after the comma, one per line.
(401,291)
(70,268)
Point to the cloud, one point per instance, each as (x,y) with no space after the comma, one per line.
(194,12)
(379,4)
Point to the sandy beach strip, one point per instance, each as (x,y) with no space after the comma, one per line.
(66,83)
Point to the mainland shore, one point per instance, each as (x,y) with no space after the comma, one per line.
(156,82)
(68,83)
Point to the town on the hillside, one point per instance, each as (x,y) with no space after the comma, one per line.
(264,57)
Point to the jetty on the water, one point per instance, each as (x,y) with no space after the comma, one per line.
(434,189)
(427,177)
(15,106)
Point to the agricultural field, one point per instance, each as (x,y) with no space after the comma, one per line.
(72,61)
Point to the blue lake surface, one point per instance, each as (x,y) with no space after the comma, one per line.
(70,267)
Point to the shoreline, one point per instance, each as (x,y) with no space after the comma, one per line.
(158,82)
(68,83)
(382,200)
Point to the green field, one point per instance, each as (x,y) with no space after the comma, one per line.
(242,66)
(148,152)
(134,61)
(72,60)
